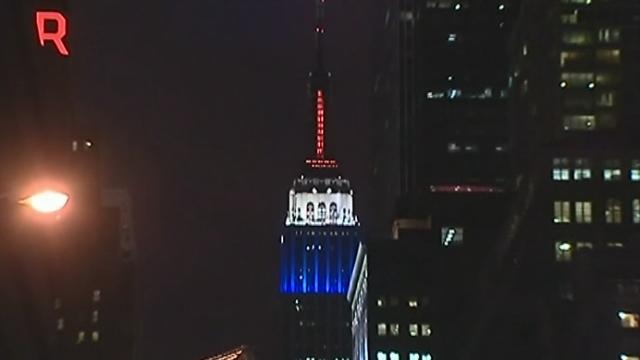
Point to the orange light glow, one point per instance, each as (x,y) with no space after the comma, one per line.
(47,201)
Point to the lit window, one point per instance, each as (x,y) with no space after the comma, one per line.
(577,79)
(609,35)
(414,356)
(381,355)
(394,356)
(607,79)
(587,2)
(606,99)
(577,37)
(452,37)
(611,171)
(453,93)
(629,320)
(60,324)
(608,56)
(96,295)
(584,246)
(94,316)
(561,212)
(583,212)
(380,302)
(413,329)
(394,329)
(564,251)
(95,336)
(80,338)
(453,147)
(572,57)
(629,357)
(634,172)
(57,303)
(425,330)
(452,236)
(613,211)
(612,174)
(426,356)
(560,170)
(382,329)
(579,122)
(571,18)
(635,208)
(413,303)
(582,170)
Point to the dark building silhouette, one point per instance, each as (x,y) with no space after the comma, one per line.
(68,281)
(573,289)
(393,292)
(444,150)
(319,241)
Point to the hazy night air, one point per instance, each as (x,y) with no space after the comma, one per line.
(319,179)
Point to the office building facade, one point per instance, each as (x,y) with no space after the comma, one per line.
(575,290)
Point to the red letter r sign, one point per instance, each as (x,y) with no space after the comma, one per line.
(42,17)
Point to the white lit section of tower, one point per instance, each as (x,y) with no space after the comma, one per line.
(321,201)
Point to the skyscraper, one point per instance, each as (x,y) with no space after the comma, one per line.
(443,145)
(76,285)
(319,240)
(575,243)
(441,96)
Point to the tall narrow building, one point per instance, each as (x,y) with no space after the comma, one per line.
(319,240)
(443,150)
(68,285)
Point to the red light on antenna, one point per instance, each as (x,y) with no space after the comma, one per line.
(56,37)
(319,124)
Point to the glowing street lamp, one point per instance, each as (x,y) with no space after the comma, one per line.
(46,202)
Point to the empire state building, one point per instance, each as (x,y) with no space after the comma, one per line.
(319,241)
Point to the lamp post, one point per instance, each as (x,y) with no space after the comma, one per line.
(21,333)
(46,202)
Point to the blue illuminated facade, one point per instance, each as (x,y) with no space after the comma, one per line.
(317,260)
(319,240)
(318,248)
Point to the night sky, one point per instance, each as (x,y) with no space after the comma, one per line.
(204,116)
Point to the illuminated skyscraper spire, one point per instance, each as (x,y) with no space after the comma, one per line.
(319,83)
